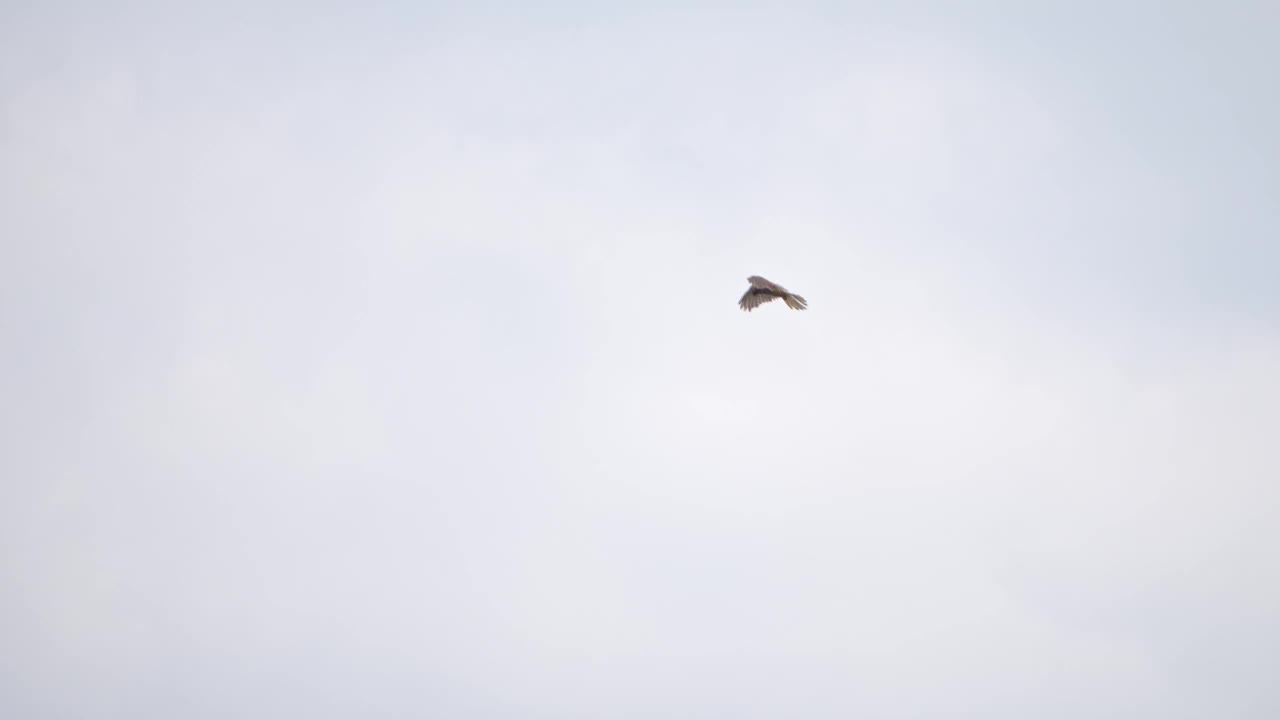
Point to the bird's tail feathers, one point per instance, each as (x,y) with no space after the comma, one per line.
(796,302)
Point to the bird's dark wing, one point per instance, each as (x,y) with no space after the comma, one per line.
(755,297)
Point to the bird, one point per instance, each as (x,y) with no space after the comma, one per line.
(762,291)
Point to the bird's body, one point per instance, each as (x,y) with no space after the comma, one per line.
(762,291)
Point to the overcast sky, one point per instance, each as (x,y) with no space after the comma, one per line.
(383,360)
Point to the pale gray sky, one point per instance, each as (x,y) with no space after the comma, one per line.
(383,360)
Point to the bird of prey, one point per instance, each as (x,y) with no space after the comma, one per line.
(762,291)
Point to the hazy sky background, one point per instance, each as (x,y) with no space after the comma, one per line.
(383,360)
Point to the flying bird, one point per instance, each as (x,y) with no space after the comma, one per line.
(762,291)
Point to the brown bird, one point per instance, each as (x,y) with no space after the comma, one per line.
(762,291)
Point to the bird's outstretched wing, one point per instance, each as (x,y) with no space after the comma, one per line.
(754,297)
